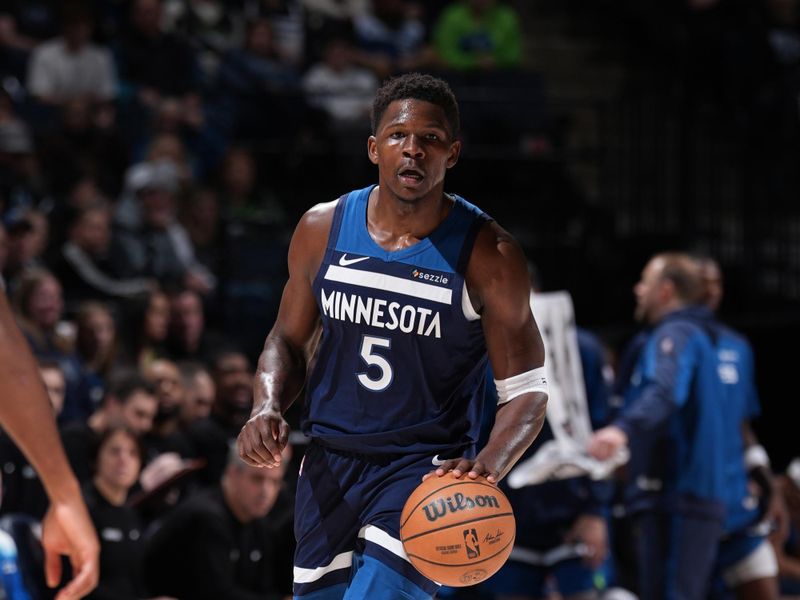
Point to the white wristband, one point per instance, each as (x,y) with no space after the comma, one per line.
(756,456)
(534,380)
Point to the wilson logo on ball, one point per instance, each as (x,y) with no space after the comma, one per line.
(455,503)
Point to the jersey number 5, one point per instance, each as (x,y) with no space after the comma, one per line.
(368,355)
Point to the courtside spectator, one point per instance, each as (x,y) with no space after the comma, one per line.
(233,541)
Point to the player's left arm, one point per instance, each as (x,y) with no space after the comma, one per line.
(499,287)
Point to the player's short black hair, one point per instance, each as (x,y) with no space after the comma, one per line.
(419,87)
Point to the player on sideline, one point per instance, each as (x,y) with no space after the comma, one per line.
(26,415)
(411,287)
(746,560)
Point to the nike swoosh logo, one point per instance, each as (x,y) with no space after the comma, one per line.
(437,462)
(345,262)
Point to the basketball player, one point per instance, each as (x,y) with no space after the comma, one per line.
(746,560)
(410,287)
(26,415)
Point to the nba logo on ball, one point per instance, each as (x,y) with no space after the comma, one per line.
(457,532)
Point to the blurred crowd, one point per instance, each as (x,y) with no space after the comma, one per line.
(154,157)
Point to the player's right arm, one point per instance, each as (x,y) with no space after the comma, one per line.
(281,371)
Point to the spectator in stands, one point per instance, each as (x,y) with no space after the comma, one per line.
(129,401)
(22,245)
(188,338)
(117,462)
(171,148)
(23,26)
(148,240)
(71,66)
(255,77)
(244,199)
(86,144)
(200,215)
(20,176)
(392,38)
(213,24)
(23,492)
(326,19)
(210,438)
(83,265)
(341,88)
(147,326)
(165,435)
(199,392)
(479,35)
(39,304)
(233,541)
(96,345)
(156,65)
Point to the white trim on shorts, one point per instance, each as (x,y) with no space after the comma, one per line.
(379,537)
(761,563)
(370,533)
(340,561)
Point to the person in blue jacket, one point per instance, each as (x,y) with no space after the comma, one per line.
(674,427)
(747,567)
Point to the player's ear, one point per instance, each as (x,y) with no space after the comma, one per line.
(372,149)
(455,152)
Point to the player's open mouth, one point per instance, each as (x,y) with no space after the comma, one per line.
(411,176)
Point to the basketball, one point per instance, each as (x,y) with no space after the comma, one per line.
(457,532)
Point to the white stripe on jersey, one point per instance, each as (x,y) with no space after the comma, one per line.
(389,283)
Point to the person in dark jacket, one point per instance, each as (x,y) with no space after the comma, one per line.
(234,541)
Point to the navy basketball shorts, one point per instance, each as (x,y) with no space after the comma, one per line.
(347,521)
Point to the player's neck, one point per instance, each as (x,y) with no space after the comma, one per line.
(395,223)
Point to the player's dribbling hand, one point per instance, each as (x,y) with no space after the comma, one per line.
(263,438)
(472,467)
(68,530)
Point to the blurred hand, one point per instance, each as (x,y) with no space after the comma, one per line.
(160,469)
(591,531)
(68,530)
(606,442)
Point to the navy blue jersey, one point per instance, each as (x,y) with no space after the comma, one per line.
(673,414)
(401,362)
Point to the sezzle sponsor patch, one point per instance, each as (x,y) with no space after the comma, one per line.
(430,277)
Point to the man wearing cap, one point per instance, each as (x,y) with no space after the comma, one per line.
(149,241)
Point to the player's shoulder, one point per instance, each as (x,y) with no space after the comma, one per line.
(495,248)
(318,217)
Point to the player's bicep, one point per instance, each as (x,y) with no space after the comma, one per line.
(298,315)
(512,337)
